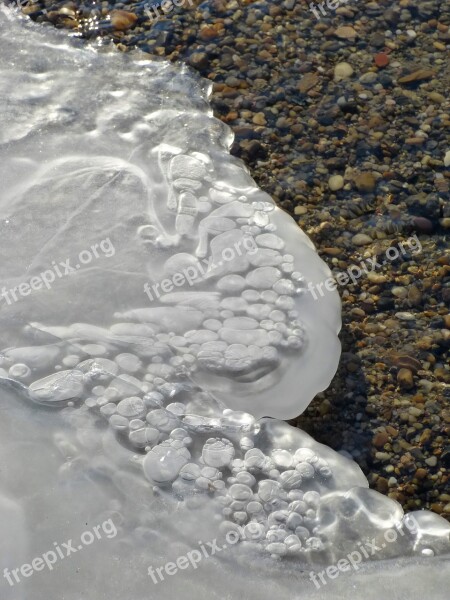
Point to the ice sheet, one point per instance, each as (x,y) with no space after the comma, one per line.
(154,310)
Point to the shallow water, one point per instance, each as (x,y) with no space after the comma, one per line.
(119,407)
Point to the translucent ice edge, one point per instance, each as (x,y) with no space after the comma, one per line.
(116,409)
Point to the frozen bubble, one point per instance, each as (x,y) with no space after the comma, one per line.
(254,458)
(210,472)
(299,506)
(94,349)
(268,490)
(163,463)
(190,472)
(302,532)
(254,507)
(179,433)
(314,543)
(131,407)
(296,495)
(153,399)
(270,240)
(231,283)
(306,470)
(277,316)
(251,295)
(19,371)
(278,519)
(303,454)
(282,458)
(284,287)
(246,443)
(269,296)
(254,531)
(118,423)
(218,453)
(98,390)
(240,517)
(162,420)
(202,483)
(285,303)
(128,362)
(108,409)
(293,542)
(71,361)
(245,478)
(290,479)
(294,520)
(312,499)
(100,369)
(144,437)
(241,492)
(212,324)
(177,408)
(59,386)
(263,277)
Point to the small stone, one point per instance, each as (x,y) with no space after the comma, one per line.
(342,71)
(336,182)
(407,362)
(422,224)
(447,159)
(361,239)
(436,97)
(300,210)
(376,278)
(431,461)
(307,82)
(199,60)
(380,439)
(421,473)
(419,75)
(368,78)
(259,119)
(122,19)
(345,32)
(365,182)
(405,379)
(381,59)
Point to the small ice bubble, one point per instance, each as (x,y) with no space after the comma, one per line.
(218,453)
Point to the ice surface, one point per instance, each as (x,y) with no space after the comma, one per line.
(143,408)
(115,176)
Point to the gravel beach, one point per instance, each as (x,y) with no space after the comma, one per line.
(342,114)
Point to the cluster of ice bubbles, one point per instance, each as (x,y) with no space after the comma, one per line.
(285,500)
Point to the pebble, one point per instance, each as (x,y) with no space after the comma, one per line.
(342,71)
(335,183)
(122,19)
(405,379)
(447,158)
(345,32)
(361,239)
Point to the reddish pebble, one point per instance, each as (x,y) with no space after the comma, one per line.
(381,59)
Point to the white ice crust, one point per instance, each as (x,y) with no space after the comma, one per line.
(149,406)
